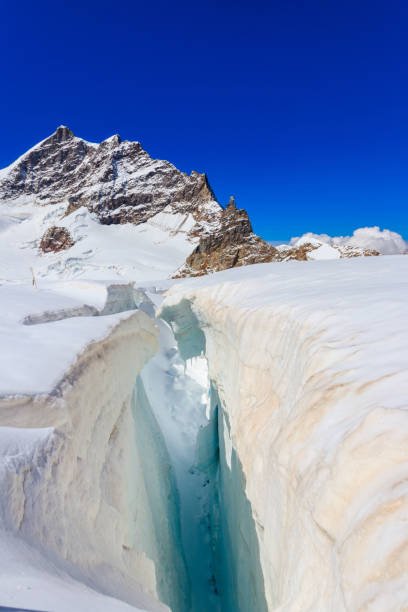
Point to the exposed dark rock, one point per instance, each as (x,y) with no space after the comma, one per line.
(349,251)
(232,244)
(301,252)
(56,239)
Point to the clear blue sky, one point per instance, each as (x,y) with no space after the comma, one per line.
(298,108)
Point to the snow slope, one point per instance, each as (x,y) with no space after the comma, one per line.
(152,250)
(310,364)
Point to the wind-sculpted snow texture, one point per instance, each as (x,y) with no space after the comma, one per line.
(311,372)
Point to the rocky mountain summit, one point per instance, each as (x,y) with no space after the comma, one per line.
(117,180)
(232,244)
(119,183)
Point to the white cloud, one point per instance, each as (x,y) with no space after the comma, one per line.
(385,241)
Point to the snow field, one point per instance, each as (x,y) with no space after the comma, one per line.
(152,250)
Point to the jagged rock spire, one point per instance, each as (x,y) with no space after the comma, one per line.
(231,203)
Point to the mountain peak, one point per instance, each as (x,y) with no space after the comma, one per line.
(62,133)
(115,140)
(116,180)
(119,183)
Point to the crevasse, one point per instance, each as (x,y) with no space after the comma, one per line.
(256,460)
(219,535)
(120,478)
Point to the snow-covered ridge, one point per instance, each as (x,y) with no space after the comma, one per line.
(127,215)
(312,375)
(119,213)
(117,180)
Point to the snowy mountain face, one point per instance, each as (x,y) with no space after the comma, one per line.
(118,181)
(65,185)
(57,197)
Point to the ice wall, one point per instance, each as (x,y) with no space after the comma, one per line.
(85,483)
(160,529)
(237,570)
(311,378)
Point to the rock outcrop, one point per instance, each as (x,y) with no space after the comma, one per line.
(233,244)
(304,252)
(56,239)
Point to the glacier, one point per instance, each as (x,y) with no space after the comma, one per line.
(311,374)
(233,442)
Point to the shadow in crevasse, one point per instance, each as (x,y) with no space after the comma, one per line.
(238,570)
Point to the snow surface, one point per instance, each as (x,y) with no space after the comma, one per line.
(324,251)
(152,250)
(31,581)
(33,358)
